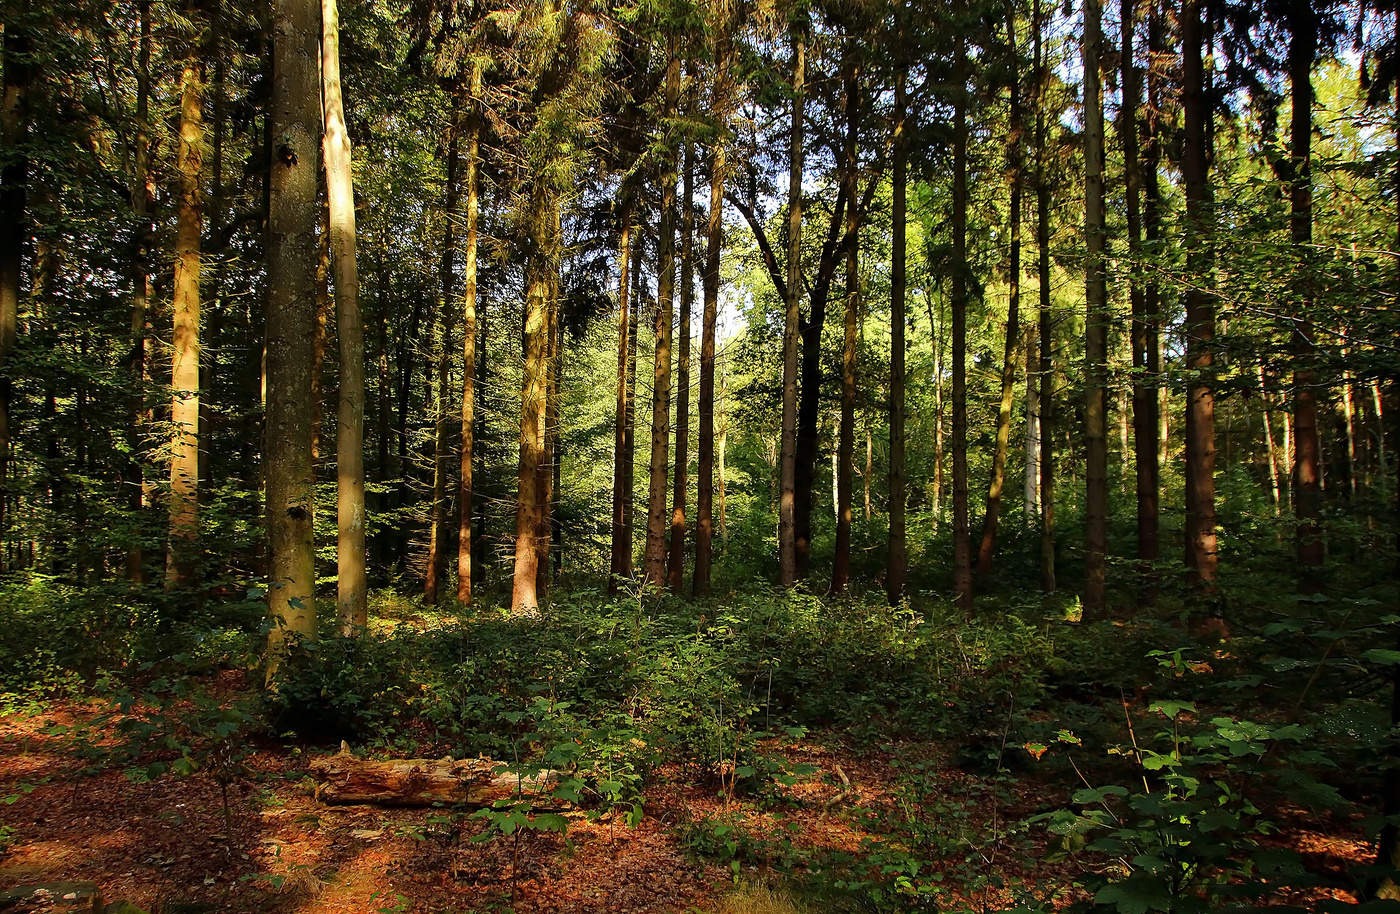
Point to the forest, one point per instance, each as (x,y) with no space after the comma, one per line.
(739,456)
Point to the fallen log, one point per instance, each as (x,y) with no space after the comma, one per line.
(343,778)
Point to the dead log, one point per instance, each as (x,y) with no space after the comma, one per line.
(343,778)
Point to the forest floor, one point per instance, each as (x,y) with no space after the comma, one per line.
(166,846)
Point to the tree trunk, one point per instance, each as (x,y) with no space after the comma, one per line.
(897,569)
(351,587)
(469,344)
(787,503)
(621,549)
(962,539)
(1096,323)
(676,559)
(714,238)
(1200,311)
(291,267)
(1030,494)
(1144,389)
(1307,473)
(549,467)
(1045,337)
(655,554)
(1266,409)
(182,556)
(142,205)
(629,437)
(14,180)
(987,549)
(841,565)
(529,507)
(438,389)
(343,778)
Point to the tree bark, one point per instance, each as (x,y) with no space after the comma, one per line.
(787,503)
(962,539)
(897,568)
(529,510)
(1307,472)
(1045,330)
(351,586)
(469,345)
(343,778)
(14,185)
(654,564)
(987,549)
(142,205)
(1144,384)
(704,501)
(1200,311)
(676,559)
(182,554)
(438,389)
(1096,323)
(296,121)
(1266,409)
(841,565)
(621,548)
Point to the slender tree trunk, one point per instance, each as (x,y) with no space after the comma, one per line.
(549,467)
(714,238)
(1045,332)
(629,437)
(869,469)
(621,549)
(723,451)
(1030,494)
(1095,327)
(1144,391)
(1200,311)
(438,389)
(962,539)
(676,558)
(142,204)
(351,587)
(1149,412)
(469,344)
(14,180)
(541,264)
(787,505)
(182,556)
(897,570)
(844,469)
(1307,473)
(655,554)
(1349,420)
(940,361)
(296,123)
(1266,408)
(987,548)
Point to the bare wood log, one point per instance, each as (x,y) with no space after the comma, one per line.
(343,778)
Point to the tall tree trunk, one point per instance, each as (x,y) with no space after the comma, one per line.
(787,503)
(629,436)
(896,570)
(1045,331)
(676,557)
(541,263)
(1030,493)
(962,539)
(1152,228)
(14,181)
(1266,408)
(182,555)
(1144,387)
(351,587)
(621,549)
(438,389)
(1307,473)
(291,266)
(142,204)
(841,565)
(1096,323)
(469,344)
(1200,310)
(938,329)
(655,554)
(987,549)
(704,500)
(549,467)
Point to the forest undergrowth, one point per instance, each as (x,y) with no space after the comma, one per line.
(847,754)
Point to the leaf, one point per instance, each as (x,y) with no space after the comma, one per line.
(1170,709)
(1136,895)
